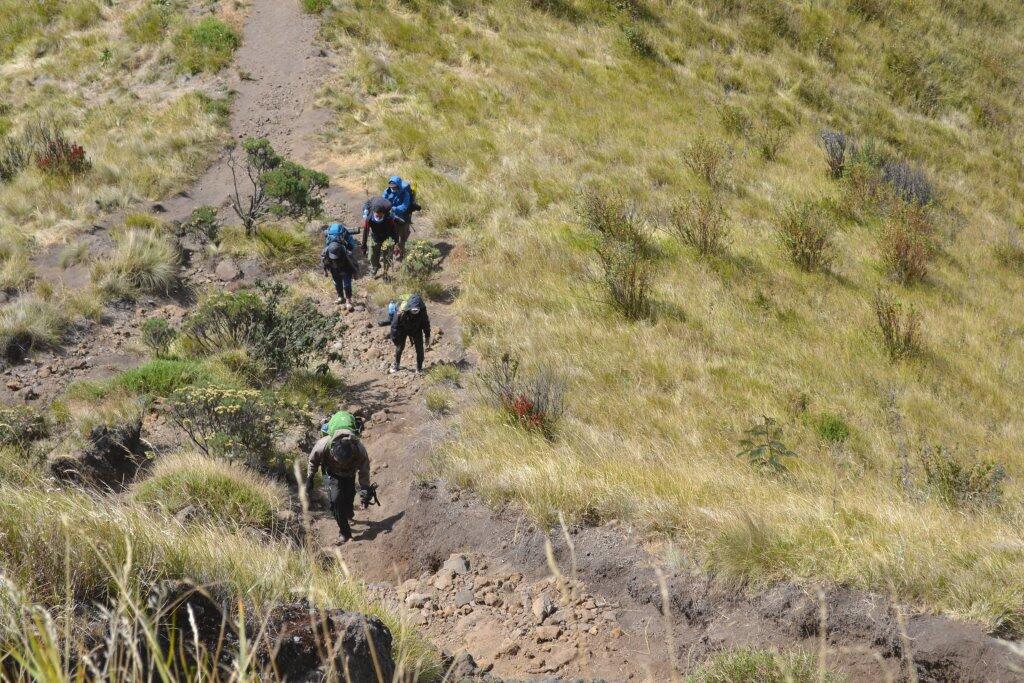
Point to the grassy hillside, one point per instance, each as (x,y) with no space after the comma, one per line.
(580,147)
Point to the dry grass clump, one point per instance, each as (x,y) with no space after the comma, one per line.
(31,323)
(143,262)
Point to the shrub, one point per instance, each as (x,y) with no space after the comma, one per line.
(216,491)
(960,485)
(59,156)
(709,159)
(422,259)
(157,335)
(624,253)
(236,424)
(910,183)
(203,221)
(273,185)
(835,145)
(206,45)
(806,235)
(28,324)
(900,329)
(763,448)
(20,426)
(768,138)
(831,428)
(283,337)
(907,244)
(143,262)
(638,41)
(14,156)
(701,223)
(536,402)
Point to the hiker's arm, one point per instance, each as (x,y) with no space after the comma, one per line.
(405,198)
(366,233)
(315,456)
(426,326)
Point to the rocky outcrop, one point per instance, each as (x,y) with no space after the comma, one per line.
(112,456)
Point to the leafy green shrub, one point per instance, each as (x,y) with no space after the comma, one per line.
(536,402)
(215,491)
(149,24)
(143,262)
(28,324)
(235,424)
(283,336)
(807,236)
(900,329)
(422,260)
(700,222)
(158,335)
(959,484)
(624,253)
(273,185)
(763,448)
(203,221)
(206,45)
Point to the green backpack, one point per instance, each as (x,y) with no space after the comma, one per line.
(342,420)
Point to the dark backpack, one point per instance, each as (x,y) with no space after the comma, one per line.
(336,257)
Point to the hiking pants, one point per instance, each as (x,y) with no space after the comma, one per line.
(375,253)
(342,284)
(404,230)
(342,493)
(417,340)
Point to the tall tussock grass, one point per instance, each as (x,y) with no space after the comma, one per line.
(732,106)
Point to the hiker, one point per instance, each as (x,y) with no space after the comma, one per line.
(410,321)
(378,227)
(400,194)
(341,456)
(339,262)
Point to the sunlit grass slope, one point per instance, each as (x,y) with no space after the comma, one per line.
(507,113)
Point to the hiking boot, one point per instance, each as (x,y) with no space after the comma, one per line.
(350,307)
(339,300)
(395,367)
(342,540)
(375,273)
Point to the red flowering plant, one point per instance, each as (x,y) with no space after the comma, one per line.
(535,402)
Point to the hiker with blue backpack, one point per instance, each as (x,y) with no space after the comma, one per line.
(402,197)
(338,261)
(378,227)
(342,457)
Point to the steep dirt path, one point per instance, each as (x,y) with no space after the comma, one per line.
(278,70)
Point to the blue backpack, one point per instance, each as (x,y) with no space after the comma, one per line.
(337,232)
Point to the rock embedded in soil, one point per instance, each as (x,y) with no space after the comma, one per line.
(457,564)
(463,597)
(227,271)
(542,608)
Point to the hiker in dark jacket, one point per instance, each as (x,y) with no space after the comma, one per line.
(341,463)
(378,227)
(410,321)
(340,264)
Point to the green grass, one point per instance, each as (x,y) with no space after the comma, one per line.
(762,666)
(731,102)
(282,247)
(205,45)
(316,6)
(438,401)
(220,492)
(156,378)
(143,262)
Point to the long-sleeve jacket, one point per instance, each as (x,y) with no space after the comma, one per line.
(359,463)
(381,230)
(401,199)
(404,322)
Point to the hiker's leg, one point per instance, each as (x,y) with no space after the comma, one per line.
(399,348)
(374,254)
(404,229)
(417,340)
(346,283)
(346,496)
(338,283)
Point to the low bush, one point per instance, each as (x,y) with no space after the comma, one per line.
(769,137)
(158,335)
(900,328)
(422,260)
(316,6)
(910,183)
(710,160)
(206,45)
(143,262)
(835,145)
(282,336)
(762,666)
(31,323)
(59,156)
(265,183)
(20,426)
(14,156)
(624,253)
(204,222)
(438,401)
(906,244)
(535,402)
(214,491)
(236,424)
(763,448)
(148,25)
(959,484)
(805,233)
(701,223)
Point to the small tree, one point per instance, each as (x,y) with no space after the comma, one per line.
(273,186)
(203,221)
(763,448)
(158,335)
